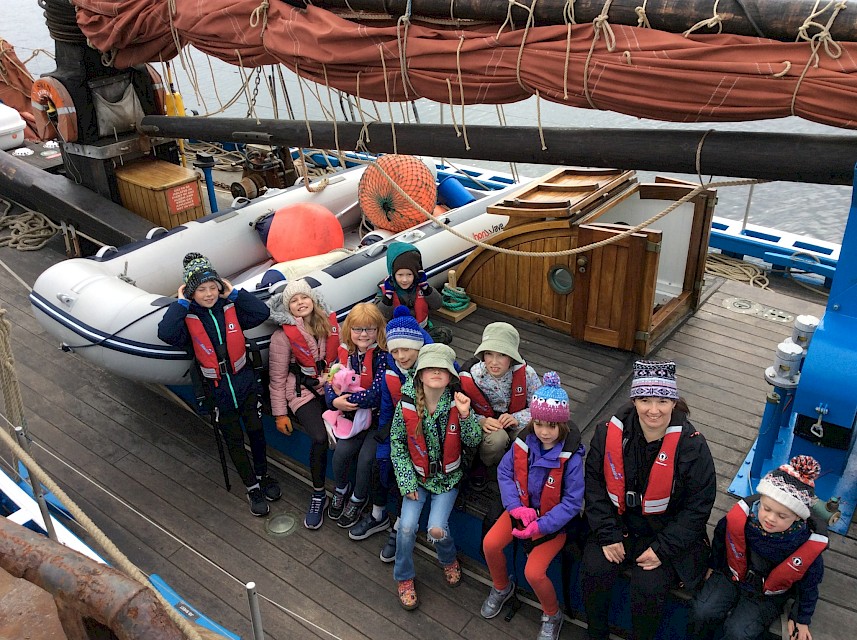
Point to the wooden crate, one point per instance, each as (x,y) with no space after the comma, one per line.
(166,194)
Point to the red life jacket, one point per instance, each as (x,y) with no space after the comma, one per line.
(302,353)
(480,404)
(421,309)
(552,489)
(206,353)
(785,574)
(659,488)
(394,385)
(366,371)
(417,443)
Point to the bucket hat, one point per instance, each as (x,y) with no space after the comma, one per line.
(501,337)
(437,356)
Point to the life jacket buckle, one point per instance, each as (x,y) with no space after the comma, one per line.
(434,468)
(221,365)
(632,499)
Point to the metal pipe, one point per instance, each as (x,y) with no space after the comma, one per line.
(255,614)
(38,494)
(747,209)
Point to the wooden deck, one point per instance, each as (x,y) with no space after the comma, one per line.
(166,508)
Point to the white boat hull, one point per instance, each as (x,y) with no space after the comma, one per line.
(107,309)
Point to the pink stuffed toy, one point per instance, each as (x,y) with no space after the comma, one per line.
(339,426)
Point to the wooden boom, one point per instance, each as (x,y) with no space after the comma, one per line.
(767,156)
(775,19)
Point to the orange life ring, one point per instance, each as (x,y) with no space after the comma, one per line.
(53,108)
(159,90)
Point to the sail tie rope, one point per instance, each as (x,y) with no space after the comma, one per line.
(601,25)
(402,40)
(389,101)
(817,40)
(714,21)
(461,95)
(260,13)
(642,18)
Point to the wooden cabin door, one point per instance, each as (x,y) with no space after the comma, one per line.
(609,287)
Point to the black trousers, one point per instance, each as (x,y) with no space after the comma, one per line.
(648,589)
(310,422)
(230,426)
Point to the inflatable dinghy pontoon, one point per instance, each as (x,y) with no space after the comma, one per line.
(107,308)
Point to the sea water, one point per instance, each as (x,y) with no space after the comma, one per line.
(818,211)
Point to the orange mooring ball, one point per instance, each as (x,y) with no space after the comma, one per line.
(384,205)
(303,229)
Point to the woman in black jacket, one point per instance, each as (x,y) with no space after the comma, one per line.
(650,487)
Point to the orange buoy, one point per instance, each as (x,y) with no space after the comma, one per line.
(381,201)
(301,230)
(53,108)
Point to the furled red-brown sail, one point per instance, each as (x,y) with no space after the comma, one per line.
(15,85)
(631,70)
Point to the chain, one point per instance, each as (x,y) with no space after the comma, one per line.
(251,107)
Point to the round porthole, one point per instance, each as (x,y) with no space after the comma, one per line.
(561,279)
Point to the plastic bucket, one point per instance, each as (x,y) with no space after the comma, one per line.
(453,194)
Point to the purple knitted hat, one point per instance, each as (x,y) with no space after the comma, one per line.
(550,401)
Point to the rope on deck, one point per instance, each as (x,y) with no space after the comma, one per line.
(28,231)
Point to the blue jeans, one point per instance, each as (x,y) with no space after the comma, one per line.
(406,538)
(743,615)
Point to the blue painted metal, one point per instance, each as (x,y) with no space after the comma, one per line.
(822,421)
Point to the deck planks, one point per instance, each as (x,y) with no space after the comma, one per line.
(162,461)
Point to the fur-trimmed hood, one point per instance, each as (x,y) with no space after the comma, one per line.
(280,312)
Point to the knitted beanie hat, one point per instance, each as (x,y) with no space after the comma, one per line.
(403,331)
(500,337)
(654,380)
(411,260)
(198,269)
(793,484)
(295,287)
(550,401)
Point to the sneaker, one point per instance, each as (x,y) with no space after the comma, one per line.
(493,604)
(388,553)
(479,480)
(270,487)
(258,506)
(551,626)
(368,526)
(351,514)
(315,516)
(452,574)
(337,503)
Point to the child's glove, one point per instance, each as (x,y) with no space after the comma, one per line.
(531,530)
(284,425)
(422,282)
(524,514)
(387,290)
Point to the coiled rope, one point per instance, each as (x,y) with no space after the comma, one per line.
(28,231)
(454,298)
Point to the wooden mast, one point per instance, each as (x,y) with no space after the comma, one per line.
(767,156)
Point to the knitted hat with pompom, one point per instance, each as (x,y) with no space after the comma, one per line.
(198,269)
(550,401)
(793,484)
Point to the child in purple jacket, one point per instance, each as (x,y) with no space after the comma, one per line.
(541,485)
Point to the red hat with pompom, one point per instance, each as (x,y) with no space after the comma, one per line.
(793,484)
